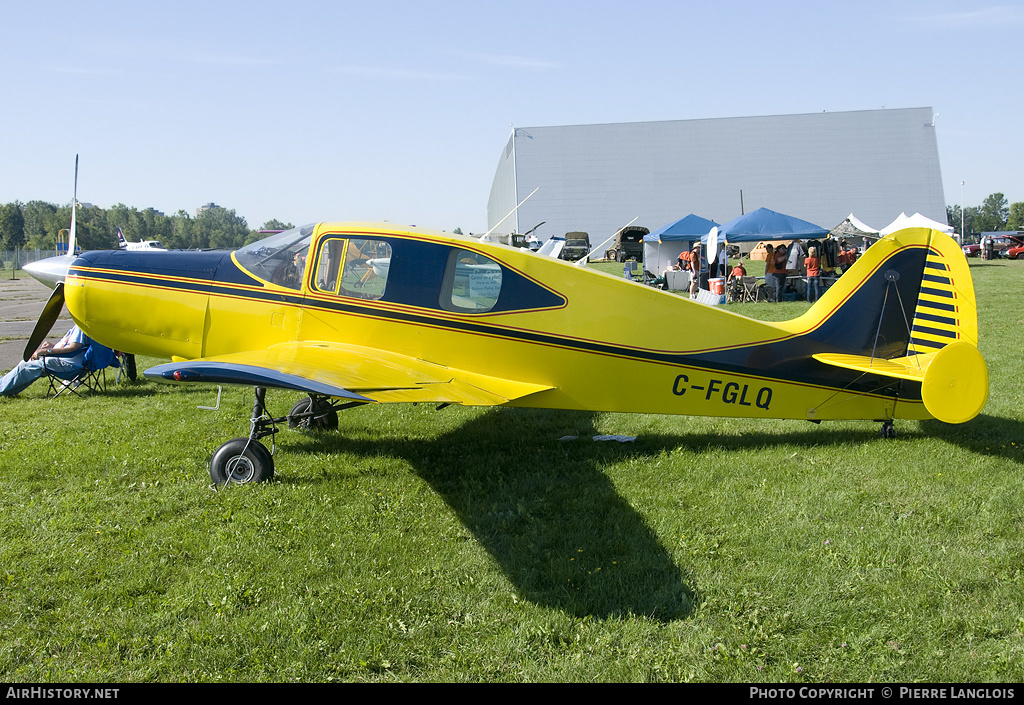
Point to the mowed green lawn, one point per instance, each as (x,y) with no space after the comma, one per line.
(475,545)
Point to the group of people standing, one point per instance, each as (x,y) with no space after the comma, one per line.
(823,257)
(781,262)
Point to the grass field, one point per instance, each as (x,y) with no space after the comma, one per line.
(475,545)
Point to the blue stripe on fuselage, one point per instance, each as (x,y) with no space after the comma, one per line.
(850,330)
(201,266)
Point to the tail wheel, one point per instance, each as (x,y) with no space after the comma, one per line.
(241,461)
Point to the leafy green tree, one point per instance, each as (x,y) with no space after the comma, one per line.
(219,228)
(953,218)
(12,226)
(181,236)
(1015,221)
(38,216)
(92,230)
(992,214)
(274,224)
(59,220)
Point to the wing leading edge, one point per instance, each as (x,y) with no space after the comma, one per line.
(347,371)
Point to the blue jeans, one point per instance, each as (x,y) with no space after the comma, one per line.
(26,373)
(813,288)
(780,286)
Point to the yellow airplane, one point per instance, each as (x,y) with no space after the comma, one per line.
(357,313)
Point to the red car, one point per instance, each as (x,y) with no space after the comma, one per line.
(1015,250)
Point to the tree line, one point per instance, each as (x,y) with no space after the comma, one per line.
(37,225)
(993,214)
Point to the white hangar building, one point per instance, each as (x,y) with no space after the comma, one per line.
(819,167)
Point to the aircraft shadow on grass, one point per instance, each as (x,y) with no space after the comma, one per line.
(544,511)
(985,435)
(555,523)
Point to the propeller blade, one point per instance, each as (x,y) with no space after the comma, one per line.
(51,311)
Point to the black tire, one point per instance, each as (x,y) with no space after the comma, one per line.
(241,461)
(325,417)
(129,367)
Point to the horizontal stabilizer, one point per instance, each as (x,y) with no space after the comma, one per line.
(954,380)
(911,367)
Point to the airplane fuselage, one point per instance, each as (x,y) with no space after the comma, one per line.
(456,308)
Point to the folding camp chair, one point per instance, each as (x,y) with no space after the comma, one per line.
(92,377)
(735,290)
(651,279)
(749,285)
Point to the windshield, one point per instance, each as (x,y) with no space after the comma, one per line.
(275,258)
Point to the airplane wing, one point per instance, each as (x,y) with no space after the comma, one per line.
(347,371)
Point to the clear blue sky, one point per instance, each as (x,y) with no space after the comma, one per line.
(398,111)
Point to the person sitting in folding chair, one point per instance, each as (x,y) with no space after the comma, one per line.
(66,360)
(735,282)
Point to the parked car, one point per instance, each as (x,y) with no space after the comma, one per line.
(1015,250)
(1000,246)
(577,246)
(629,244)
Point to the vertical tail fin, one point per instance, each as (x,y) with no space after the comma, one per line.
(946,310)
(907,311)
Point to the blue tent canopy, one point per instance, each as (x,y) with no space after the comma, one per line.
(689,228)
(764,224)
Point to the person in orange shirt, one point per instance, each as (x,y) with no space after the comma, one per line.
(779,271)
(813,265)
(769,272)
(735,282)
(696,265)
(738,271)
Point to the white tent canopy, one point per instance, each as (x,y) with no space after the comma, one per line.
(859,225)
(915,221)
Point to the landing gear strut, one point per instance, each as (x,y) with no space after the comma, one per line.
(243,460)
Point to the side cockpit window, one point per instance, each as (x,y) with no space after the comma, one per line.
(355,267)
(472,283)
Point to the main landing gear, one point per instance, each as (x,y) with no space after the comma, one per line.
(888,430)
(243,460)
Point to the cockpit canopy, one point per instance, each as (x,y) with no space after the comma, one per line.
(273,258)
